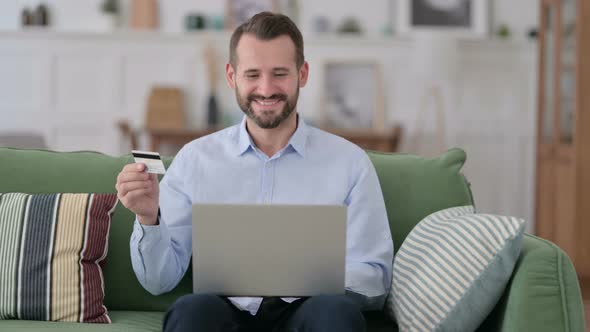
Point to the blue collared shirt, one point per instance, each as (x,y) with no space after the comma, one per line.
(315,167)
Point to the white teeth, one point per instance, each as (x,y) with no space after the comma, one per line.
(267,103)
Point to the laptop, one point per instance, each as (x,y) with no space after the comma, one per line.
(269,250)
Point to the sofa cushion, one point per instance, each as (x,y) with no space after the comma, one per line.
(41,171)
(452,269)
(52,247)
(122,321)
(414,187)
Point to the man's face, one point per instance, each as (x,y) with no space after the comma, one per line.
(266,79)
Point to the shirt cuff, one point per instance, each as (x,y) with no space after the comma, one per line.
(150,236)
(365,279)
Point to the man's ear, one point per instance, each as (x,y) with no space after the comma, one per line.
(230,75)
(303,74)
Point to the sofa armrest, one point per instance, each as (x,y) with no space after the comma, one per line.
(542,295)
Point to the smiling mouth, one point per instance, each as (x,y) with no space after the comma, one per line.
(267,102)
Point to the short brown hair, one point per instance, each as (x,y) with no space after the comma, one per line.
(267,26)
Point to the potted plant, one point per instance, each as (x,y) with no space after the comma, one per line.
(110,14)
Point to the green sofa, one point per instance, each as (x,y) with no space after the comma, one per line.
(542,295)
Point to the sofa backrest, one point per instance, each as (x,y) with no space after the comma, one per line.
(413,187)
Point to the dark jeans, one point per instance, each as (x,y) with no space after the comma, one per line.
(211,313)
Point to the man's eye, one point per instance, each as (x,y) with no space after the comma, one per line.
(252,76)
(280,74)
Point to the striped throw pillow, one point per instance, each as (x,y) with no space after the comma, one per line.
(452,269)
(52,248)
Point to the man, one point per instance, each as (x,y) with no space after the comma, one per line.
(272,157)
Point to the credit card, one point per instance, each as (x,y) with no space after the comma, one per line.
(151,159)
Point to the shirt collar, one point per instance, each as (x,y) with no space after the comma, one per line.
(297,141)
(244,140)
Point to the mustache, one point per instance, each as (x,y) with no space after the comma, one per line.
(278,96)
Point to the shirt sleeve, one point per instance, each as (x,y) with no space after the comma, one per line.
(160,254)
(369,257)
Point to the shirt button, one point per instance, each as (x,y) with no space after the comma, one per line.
(268,165)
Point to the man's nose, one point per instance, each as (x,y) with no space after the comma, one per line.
(266,86)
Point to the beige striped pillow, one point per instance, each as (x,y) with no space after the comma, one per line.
(452,268)
(52,248)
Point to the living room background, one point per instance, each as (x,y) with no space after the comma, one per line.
(73,82)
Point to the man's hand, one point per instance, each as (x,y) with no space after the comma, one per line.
(139,191)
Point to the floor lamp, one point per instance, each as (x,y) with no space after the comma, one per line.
(434,63)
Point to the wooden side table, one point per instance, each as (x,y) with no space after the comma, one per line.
(369,140)
(388,141)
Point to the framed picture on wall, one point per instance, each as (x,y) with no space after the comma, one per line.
(352,96)
(239,11)
(464,18)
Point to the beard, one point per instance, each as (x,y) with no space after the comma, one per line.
(266,119)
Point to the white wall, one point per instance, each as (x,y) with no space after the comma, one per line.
(373,14)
